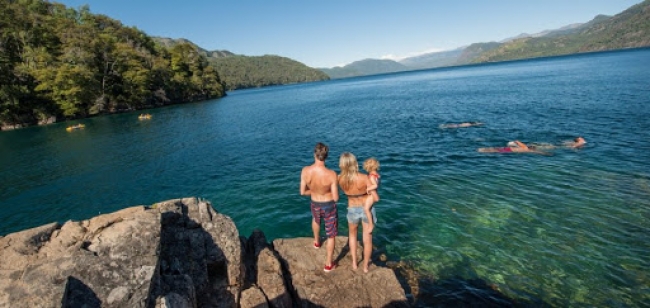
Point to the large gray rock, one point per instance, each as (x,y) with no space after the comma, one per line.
(341,287)
(178,253)
(109,260)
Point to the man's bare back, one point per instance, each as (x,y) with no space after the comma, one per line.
(319,182)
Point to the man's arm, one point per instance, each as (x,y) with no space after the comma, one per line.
(521,144)
(335,187)
(304,189)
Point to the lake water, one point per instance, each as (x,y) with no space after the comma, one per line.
(567,229)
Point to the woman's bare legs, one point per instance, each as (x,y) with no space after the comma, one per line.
(352,242)
(367,246)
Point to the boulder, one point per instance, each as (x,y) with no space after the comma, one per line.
(253,297)
(177,253)
(52,265)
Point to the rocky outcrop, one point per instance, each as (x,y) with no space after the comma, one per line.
(178,253)
(342,287)
(108,260)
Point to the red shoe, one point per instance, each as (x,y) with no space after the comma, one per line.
(316,245)
(329,268)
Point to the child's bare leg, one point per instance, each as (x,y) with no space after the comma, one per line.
(366,208)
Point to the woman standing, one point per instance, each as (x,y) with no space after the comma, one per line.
(355,186)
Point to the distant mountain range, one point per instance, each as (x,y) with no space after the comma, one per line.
(628,29)
(366,67)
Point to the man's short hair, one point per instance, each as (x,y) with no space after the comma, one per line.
(321,151)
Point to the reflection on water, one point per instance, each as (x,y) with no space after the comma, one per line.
(568,229)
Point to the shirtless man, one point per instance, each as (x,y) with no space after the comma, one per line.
(321,184)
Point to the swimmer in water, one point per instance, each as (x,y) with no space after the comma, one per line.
(513,147)
(460,125)
(578,142)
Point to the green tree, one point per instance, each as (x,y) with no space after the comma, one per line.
(56,60)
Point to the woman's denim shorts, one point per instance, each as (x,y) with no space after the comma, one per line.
(356,215)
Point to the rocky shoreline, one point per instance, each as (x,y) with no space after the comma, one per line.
(179,253)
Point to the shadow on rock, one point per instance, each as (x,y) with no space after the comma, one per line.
(193,268)
(78,294)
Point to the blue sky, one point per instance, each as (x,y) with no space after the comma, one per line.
(336,32)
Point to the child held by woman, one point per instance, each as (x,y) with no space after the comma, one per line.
(371,165)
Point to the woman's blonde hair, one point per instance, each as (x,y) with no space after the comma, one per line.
(349,169)
(371,164)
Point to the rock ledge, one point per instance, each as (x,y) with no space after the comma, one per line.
(179,253)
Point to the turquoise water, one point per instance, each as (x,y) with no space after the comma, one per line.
(569,229)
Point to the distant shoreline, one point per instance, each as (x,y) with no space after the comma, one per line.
(53,119)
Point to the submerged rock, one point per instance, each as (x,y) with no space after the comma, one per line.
(178,253)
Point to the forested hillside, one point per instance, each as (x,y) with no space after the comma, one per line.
(473,51)
(241,72)
(170,42)
(629,29)
(61,63)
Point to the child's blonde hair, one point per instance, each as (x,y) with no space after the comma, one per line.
(371,164)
